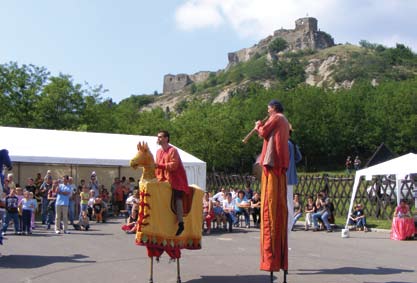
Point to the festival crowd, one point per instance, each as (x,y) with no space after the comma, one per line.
(57,201)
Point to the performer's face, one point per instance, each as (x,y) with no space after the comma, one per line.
(271,110)
(162,139)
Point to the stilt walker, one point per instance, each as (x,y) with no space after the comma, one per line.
(274,214)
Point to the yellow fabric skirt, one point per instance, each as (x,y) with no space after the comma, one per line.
(157,223)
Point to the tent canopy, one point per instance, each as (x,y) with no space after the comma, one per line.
(84,148)
(400,167)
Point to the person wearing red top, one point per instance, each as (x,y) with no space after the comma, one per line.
(274,161)
(169,168)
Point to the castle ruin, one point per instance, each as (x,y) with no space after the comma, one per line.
(305,36)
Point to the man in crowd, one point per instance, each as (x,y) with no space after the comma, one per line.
(61,205)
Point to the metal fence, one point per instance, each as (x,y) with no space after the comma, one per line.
(378,196)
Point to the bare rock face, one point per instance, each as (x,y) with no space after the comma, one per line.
(319,71)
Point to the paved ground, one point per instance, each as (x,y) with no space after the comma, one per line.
(106,254)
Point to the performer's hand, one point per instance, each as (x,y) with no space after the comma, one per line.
(160,166)
(258,124)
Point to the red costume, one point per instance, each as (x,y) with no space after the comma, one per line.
(274,160)
(170,168)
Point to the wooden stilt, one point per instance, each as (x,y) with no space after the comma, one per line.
(151,271)
(178,271)
(285,276)
(272,277)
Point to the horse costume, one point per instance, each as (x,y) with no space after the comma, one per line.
(157,223)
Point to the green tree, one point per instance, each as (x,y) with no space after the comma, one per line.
(277,45)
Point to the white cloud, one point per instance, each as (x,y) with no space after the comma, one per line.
(198,14)
(344,20)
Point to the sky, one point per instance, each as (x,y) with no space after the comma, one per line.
(128,46)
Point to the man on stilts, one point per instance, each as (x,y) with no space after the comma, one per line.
(274,161)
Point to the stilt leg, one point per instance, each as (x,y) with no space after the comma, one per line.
(272,277)
(285,276)
(151,271)
(178,271)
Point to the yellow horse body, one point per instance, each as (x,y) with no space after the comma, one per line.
(157,222)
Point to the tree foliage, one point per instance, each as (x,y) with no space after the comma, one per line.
(328,125)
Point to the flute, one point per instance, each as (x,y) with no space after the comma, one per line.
(248,136)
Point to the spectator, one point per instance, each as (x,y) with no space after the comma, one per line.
(256,209)
(83,222)
(220,196)
(38,180)
(19,195)
(93,184)
(71,203)
(64,193)
(31,188)
(12,184)
(219,214)
(118,200)
(28,207)
(403,224)
(43,190)
(402,210)
(84,196)
(309,210)
(323,212)
(208,214)
(130,226)
(98,210)
(292,178)
(358,218)
(2,206)
(90,205)
(132,184)
(52,194)
(348,164)
(132,200)
(6,188)
(11,206)
(229,210)
(248,190)
(357,163)
(113,187)
(297,210)
(242,204)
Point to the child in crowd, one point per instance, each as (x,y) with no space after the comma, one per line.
(130,226)
(84,197)
(98,210)
(358,218)
(28,206)
(83,222)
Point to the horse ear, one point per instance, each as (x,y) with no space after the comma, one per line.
(146,146)
(138,146)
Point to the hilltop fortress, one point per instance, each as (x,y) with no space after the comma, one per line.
(304,36)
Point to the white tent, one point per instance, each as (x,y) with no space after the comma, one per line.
(79,153)
(400,167)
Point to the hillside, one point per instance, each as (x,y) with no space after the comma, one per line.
(336,67)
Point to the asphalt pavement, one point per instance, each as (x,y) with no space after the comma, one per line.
(107,254)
